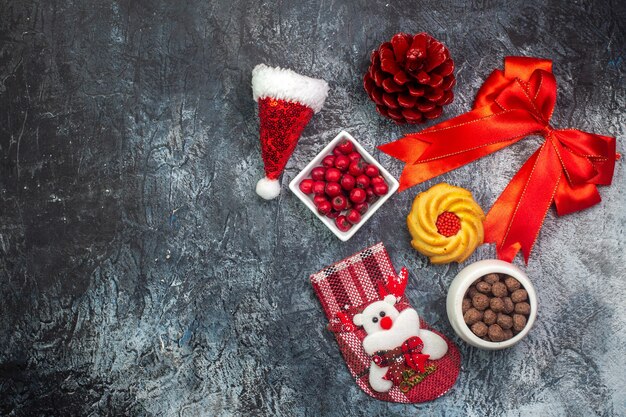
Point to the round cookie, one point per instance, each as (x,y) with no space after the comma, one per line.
(446,224)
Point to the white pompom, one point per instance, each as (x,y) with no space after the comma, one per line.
(267,188)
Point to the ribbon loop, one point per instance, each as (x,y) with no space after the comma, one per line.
(542,91)
(510,105)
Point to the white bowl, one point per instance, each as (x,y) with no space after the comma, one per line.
(317,161)
(465,279)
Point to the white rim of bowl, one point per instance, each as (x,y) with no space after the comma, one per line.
(501,267)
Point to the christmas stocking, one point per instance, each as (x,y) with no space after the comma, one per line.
(392,354)
(287,101)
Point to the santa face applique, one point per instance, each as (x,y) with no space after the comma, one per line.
(396,343)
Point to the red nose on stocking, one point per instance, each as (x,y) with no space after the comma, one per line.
(386,323)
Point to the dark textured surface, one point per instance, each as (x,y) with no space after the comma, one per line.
(140,273)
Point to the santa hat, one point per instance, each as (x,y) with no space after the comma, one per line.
(287,101)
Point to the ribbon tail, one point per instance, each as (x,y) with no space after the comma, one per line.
(406,149)
(445,147)
(414,174)
(411,147)
(500,215)
(514,221)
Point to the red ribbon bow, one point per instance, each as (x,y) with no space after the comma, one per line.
(511,105)
(413,356)
(408,355)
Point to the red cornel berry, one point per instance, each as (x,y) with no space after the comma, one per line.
(410,78)
(448,224)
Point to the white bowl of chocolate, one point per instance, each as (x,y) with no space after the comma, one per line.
(491,304)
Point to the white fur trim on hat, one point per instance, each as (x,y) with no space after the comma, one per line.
(284,84)
(267,188)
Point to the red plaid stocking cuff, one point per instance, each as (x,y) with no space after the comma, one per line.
(363,298)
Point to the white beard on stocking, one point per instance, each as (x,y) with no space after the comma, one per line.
(387,328)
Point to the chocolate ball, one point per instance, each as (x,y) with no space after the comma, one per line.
(483,287)
(480,301)
(504,321)
(522,308)
(479,329)
(507,334)
(471,291)
(467,304)
(472,316)
(508,305)
(495,333)
(489,317)
(498,289)
(519,322)
(496,304)
(491,278)
(512,284)
(519,296)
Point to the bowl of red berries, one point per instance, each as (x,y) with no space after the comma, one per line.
(344,185)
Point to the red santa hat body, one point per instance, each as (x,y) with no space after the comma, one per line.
(287,101)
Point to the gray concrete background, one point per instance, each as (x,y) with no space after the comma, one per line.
(140,274)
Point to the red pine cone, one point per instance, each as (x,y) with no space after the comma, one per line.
(410,78)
